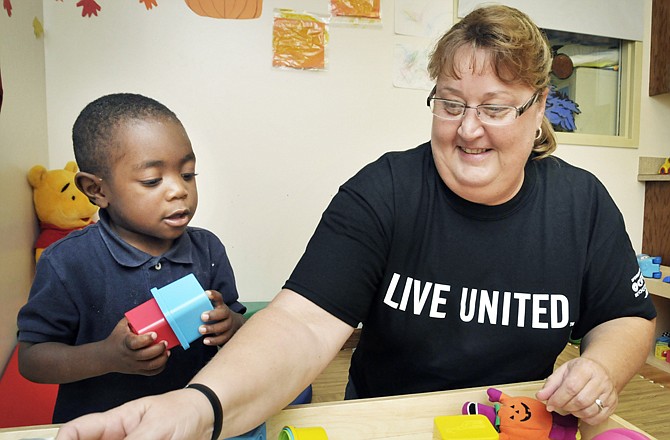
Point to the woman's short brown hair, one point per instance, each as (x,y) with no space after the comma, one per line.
(518,52)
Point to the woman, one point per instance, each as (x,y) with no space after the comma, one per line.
(470,260)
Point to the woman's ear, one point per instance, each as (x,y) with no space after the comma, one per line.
(91,186)
(542,102)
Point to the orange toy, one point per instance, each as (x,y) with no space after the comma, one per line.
(524,418)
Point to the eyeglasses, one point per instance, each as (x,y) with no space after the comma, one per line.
(491,114)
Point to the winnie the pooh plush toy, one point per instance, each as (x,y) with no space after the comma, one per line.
(61,208)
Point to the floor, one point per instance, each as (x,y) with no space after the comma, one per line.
(644,402)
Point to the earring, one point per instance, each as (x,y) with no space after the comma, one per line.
(538,134)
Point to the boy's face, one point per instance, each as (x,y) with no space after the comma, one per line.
(150,194)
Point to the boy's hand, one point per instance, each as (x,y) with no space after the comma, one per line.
(221,322)
(135,354)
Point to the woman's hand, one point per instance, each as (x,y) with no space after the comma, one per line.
(176,415)
(583,388)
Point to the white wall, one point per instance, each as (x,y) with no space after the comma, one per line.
(274,145)
(23,143)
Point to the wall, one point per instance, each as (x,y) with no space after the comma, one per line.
(23,143)
(274,145)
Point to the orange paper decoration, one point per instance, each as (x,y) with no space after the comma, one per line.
(299,42)
(236,9)
(355,8)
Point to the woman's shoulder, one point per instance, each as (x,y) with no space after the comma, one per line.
(565,178)
(556,167)
(397,163)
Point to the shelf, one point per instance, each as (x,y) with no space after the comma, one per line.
(660,292)
(657,286)
(657,363)
(648,167)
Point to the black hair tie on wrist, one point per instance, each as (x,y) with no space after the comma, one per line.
(216,406)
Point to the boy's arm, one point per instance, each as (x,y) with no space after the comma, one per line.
(121,352)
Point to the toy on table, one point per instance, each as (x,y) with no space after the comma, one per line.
(650,266)
(308,433)
(61,208)
(620,434)
(463,427)
(524,418)
(665,168)
(173,313)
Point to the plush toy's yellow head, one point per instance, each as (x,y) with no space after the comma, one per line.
(58,201)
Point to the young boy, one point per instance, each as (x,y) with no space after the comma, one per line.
(138,166)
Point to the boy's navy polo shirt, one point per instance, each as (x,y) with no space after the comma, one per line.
(85,283)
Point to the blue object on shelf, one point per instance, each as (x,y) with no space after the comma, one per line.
(650,266)
(259,433)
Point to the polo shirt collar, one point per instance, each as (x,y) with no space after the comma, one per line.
(130,256)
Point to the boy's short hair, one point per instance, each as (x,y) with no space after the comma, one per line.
(93,133)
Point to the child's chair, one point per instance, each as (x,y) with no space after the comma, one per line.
(22,402)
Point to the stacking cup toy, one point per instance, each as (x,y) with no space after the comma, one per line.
(463,427)
(173,313)
(310,433)
(147,317)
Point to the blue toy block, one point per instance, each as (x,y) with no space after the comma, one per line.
(666,279)
(255,434)
(182,302)
(650,266)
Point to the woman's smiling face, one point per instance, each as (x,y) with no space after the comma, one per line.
(483,163)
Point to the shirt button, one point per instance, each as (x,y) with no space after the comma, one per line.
(158,266)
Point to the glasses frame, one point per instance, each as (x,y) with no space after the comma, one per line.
(519,110)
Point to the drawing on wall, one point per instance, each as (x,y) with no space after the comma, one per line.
(356,11)
(299,40)
(232,9)
(410,66)
(423,18)
(1,92)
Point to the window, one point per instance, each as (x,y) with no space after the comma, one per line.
(592,98)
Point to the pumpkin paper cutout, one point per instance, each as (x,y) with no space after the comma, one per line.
(234,9)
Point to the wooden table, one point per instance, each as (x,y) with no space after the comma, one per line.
(400,418)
